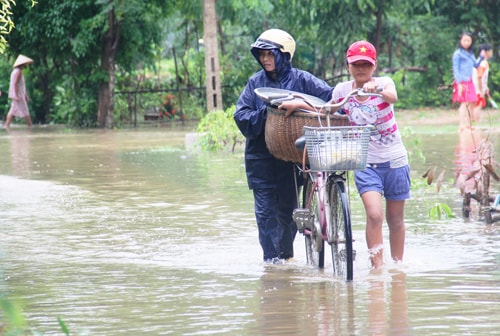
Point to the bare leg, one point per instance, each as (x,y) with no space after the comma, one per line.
(372,201)
(8,121)
(477,113)
(28,121)
(465,112)
(395,220)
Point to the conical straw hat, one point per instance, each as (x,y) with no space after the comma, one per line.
(21,59)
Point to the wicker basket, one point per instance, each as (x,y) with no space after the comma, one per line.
(282,132)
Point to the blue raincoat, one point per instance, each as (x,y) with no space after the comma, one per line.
(272,180)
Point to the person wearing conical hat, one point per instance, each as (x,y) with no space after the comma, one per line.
(17,92)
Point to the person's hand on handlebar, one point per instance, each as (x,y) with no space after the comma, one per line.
(388,93)
(371,87)
(289,106)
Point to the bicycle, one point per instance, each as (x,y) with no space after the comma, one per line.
(325,215)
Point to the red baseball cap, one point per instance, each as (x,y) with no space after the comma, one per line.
(361,51)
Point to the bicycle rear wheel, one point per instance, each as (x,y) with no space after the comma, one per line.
(339,231)
(315,248)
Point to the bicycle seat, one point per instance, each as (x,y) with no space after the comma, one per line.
(300,143)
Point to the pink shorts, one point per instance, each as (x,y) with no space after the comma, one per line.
(468,93)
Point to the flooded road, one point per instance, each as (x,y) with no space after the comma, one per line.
(128,233)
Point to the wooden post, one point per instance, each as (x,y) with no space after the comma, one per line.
(466,205)
(212,67)
(177,87)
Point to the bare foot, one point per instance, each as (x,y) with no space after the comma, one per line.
(377,256)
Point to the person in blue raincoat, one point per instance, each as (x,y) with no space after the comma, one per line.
(272,180)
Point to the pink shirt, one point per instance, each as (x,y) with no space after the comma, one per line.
(385,142)
(17,92)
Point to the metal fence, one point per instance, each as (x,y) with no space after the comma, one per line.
(150,105)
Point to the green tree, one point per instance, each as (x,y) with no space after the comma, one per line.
(415,40)
(6,22)
(83,43)
(77,53)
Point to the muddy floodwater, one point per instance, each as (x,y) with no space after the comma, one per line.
(127,232)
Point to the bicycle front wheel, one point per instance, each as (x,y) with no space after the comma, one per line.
(339,231)
(315,249)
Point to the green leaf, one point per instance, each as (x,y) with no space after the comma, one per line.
(440,211)
(63,326)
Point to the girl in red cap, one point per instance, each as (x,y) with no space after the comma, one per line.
(387,174)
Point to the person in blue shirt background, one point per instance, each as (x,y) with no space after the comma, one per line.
(464,62)
(272,180)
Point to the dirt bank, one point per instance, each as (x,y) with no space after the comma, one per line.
(426,117)
(436,117)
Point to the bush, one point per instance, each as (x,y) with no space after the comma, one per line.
(218,131)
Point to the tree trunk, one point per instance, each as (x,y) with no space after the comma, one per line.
(378,32)
(212,67)
(105,105)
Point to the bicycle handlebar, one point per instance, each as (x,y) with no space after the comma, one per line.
(356,92)
(328,107)
(278,99)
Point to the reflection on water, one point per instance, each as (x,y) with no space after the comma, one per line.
(20,152)
(473,153)
(127,233)
(388,308)
(298,300)
(467,159)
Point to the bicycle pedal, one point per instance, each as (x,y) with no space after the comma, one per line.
(343,254)
(302,218)
(342,241)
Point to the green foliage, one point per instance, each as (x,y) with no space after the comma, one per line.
(72,47)
(13,322)
(237,64)
(63,326)
(424,67)
(146,94)
(193,105)
(14,319)
(415,42)
(73,106)
(441,211)
(413,145)
(6,24)
(217,131)
(494,80)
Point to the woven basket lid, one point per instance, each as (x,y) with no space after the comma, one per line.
(21,59)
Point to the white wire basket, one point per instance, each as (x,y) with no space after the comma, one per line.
(337,148)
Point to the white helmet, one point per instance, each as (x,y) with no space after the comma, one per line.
(276,39)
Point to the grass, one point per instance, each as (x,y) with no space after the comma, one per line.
(442,120)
